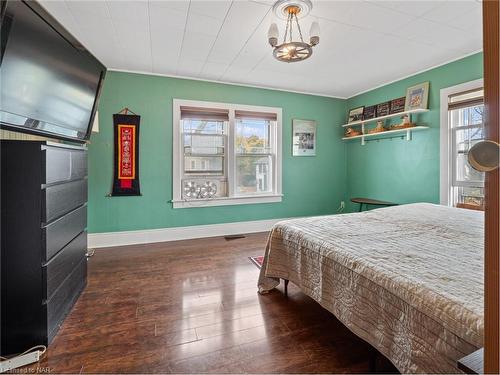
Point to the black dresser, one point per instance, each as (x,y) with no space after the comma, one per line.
(43,239)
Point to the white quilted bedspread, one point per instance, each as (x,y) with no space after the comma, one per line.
(407,279)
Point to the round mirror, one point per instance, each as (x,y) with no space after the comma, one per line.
(484,156)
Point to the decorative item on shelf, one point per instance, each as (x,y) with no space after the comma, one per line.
(417,96)
(379,128)
(355,114)
(398,105)
(350,132)
(292,50)
(126,160)
(370,112)
(304,137)
(405,124)
(383,109)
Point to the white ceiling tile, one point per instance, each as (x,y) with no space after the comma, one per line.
(180,6)
(85,10)
(189,68)
(363,14)
(196,46)
(340,11)
(470,21)
(214,9)
(363,43)
(213,70)
(162,15)
(438,35)
(235,73)
(166,46)
(198,23)
(129,11)
(223,56)
(452,9)
(239,25)
(414,8)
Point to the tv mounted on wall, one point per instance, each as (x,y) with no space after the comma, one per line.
(50,83)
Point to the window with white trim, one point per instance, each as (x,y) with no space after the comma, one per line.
(225,154)
(465,127)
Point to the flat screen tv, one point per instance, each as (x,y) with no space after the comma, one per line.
(50,83)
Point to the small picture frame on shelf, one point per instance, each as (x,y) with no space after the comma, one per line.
(417,96)
(355,114)
(383,109)
(370,112)
(398,105)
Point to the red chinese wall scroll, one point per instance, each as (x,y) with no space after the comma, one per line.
(126,163)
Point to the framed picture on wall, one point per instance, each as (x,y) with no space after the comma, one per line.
(417,96)
(303,137)
(355,114)
(398,105)
(383,109)
(370,112)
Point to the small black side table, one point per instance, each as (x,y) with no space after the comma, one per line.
(373,202)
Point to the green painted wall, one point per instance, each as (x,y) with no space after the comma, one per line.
(311,185)
(389,169)
(397,170)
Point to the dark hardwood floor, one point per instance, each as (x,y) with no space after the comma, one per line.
(192,307)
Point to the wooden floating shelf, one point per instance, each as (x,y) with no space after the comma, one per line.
(361,122)
(387,132)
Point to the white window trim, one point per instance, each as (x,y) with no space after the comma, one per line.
(446,141)
(177,158)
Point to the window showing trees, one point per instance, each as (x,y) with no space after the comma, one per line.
(254,156)
(466,124)
(228,152)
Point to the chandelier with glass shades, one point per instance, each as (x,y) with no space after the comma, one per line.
(290,50)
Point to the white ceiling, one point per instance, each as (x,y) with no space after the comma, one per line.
(364,44)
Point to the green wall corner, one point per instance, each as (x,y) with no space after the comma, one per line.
(403,171)
(390,169)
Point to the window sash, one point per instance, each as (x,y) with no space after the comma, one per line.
(187,174)
(455,180)
(272,134)
(270,174)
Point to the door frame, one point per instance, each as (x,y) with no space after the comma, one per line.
(491,15)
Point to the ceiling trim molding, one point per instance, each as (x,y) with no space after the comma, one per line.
(416,73)
(224,83)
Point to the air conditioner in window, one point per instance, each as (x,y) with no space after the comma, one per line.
(203,188)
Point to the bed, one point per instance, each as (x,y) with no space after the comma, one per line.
(406,279)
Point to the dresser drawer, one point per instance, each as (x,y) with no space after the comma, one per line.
(62,165)
(60,266)
(60,304)
(61,231)
(60,199)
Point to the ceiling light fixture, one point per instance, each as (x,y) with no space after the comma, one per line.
(290,50)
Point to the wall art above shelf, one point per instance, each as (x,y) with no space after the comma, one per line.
(392,115)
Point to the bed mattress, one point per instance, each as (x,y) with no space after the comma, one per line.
(406,279)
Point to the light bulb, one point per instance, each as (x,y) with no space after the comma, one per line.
(314,33)
(273,34)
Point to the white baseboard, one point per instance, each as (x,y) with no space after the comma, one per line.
(110,239)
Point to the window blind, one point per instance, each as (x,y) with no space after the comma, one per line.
(466,99)
(256,115)
(197,113)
